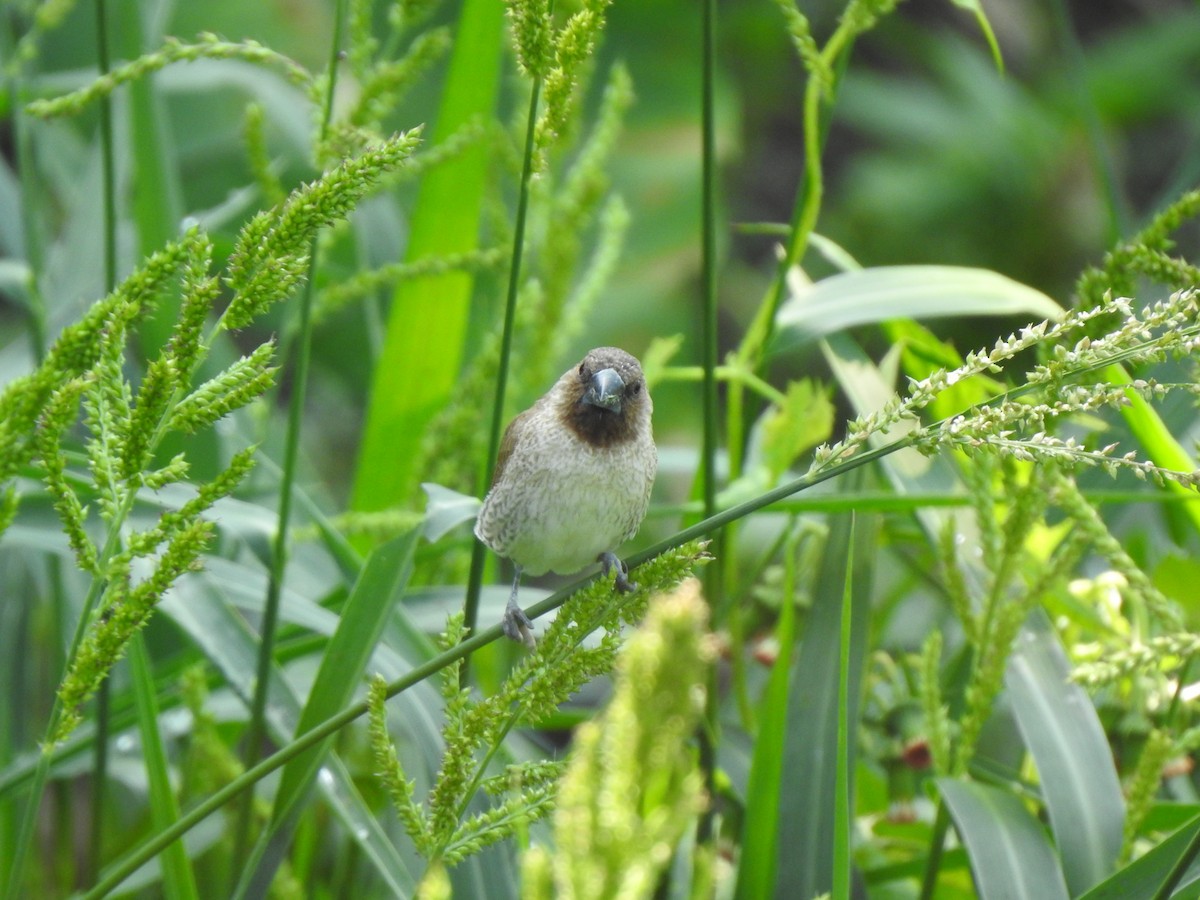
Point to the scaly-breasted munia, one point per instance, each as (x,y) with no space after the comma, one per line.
(573,477)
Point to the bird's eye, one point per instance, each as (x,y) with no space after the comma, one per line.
(635,388)
(583,370)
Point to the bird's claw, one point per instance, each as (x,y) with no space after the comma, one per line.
(609,562)
(518,626)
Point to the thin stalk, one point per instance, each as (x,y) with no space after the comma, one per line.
(714,579)
(842,817)
(478,551)
(91,865)
(708,274)
(805,211)
(108,176)
(256,729)
(732,374)
(937,845)
(95,850)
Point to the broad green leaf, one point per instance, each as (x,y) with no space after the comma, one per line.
(384,576)
(1011,857)
(1143,876)
(446,510)
(1075,766)
(427,326)
(805,852)
(894,292)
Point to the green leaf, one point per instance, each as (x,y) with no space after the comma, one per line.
(1011,857)
(1163,448)
(426,332)
(1143,876)
(179,882)
(204,609)
(804,420)
(807,797)
(892,292)
(446,510)
(384,576)
(1075,766)
(759,839)
(975,7)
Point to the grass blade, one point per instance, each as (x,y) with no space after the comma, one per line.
(1160,444)
(208,616)
(422,352)
(757,863)
(807,799)
(370,602)
(1074,762)
(879,294)
(179,882)
(842,811)
(1147,873)
(1010,855)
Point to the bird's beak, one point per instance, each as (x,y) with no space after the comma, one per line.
(605,390)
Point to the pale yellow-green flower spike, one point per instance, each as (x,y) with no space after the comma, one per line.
(632,786)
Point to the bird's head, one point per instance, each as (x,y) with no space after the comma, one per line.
(605,400)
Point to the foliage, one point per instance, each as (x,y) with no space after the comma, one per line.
(1011,605)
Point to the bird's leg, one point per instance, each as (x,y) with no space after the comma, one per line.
(609,561)
(515,623)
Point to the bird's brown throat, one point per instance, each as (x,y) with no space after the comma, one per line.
(600,427)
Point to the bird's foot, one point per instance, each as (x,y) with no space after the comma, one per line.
(609,562)
(517,625)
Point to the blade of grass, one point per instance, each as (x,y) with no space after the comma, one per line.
(422,352)
(760,833)
(714,576)
(179,881)
(1075,765)
(1153,871)
(1010,854)
(1152,433)
(882,293)
(808,798)
(384,577)
(842,811)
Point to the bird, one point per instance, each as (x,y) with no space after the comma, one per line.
(573,477)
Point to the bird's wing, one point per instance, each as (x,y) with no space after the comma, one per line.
(508,443)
